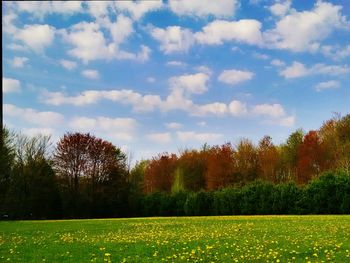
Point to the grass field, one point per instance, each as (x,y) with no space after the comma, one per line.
(194,239)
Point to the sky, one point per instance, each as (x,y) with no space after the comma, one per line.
(153,76)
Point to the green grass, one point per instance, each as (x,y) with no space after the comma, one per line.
(194,239)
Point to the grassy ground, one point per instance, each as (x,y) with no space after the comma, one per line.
(194,239)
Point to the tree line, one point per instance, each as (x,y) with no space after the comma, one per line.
(84,176)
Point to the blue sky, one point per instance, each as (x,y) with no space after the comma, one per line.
(158,76)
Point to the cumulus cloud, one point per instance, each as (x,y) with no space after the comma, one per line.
(215,108)
(190,84)
(274,114)
(173,125)
(272,110)
(128,97)
(297,70)
(237,108)
(111,128)
(89,42)
(42,8)
(176,63)
(194,136)
(304,31)
(336,52)
(68,64)
(41,118)
(162,137)
(38,131)
(151,80)
(36,37)
(173,38)
(138,9)
(200,8)
(234,76)
(277,63)
(19,62)
(280,8)
(260,56)
(10,85)
(245,31)
(331,84)
(90,74)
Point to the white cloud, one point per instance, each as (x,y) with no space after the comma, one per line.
(19,62)
(176,63)
(215,108)
(68,64)
(121,29)
(89,42)
(98,9)
(201,123)
(200,8)
(120,129)
(333,70)
(36,37)
(163,138)
(286,121)
(233,76)
(271,110)
(42,8)
(173,39)
(190,84)
(260,56)
(275,114)
(336,52)
(331,84)
(280,8)
(204,69)
(38,131)
(151,80)
(277,63)
(90,74)
(17,47)
(138,9)
(297,70)
(173,125)
(7,23)
(128,97)
(10,85)
(41,118)
(304,31)
(194,136)
(219,31)
(237,108)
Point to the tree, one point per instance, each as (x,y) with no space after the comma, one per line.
(220,167)
(7,158)
(246,160)
(191,168)
(32,191)
(88,167)
(289,155)
(159,173)
(268,159)
(343,134)
(311,157)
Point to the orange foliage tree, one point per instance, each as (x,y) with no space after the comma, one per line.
(159,173)
(220,167)
(311,157)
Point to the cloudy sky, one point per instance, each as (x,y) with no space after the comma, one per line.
(155,76)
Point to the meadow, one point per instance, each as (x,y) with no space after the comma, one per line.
(179,239)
